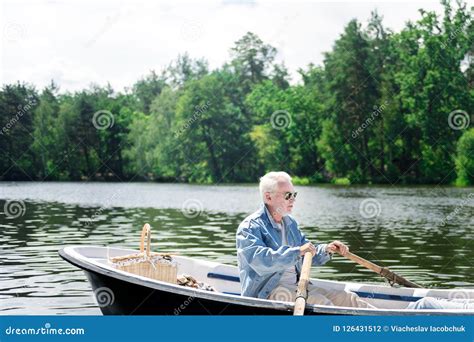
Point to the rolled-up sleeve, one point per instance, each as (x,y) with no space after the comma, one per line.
(262,259)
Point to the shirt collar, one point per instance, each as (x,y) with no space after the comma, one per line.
(270,217)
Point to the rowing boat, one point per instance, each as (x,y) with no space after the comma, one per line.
(121,293)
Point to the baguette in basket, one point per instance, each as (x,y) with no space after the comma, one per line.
(147,264)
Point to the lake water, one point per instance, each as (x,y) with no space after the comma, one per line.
(423,233)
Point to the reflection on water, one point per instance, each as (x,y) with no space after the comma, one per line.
(423,233)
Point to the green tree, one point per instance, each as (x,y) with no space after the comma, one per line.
(45,144)
(214,138)
(353,96)
(287,126)
(432,86)
(464,159)
(153,147)
(252,60)
(381,108)
(17,105)
(147,89)
(185,69)
(137,151)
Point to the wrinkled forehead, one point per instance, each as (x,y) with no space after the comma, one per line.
(285,186)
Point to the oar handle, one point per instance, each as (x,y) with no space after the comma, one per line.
(302,290)
(384,272)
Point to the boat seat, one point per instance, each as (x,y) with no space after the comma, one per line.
(227,277)
(362,294)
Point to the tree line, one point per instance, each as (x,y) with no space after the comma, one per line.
(383,107)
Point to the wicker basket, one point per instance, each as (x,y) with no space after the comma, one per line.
(147,264)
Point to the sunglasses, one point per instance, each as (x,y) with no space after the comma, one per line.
(289,195)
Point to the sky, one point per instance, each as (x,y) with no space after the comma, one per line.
(79,43)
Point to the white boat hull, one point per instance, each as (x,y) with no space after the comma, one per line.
(134,294)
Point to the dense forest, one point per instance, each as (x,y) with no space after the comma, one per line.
(383,107)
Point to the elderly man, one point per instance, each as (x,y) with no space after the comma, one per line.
(270,248)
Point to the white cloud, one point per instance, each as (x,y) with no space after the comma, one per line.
(79,43)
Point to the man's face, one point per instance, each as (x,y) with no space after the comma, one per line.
(277,199)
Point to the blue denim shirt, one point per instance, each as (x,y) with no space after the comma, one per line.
(262,258)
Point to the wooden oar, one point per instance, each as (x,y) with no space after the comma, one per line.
(384,272)
(302,291)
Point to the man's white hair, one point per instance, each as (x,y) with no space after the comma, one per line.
(269,182)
